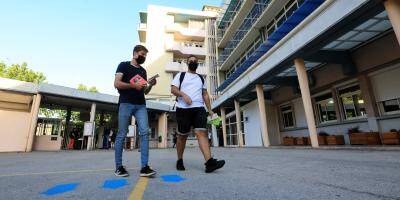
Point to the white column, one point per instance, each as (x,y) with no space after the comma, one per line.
(238,123)
(393,9)
(92,118)
(263,115)
(162,130)
(305,94)
(33,123)
(214,135)
(223,118)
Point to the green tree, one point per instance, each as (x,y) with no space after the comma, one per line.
(49,113)
(21,72)
(82,87)
(93,89)
(85,88)
(2,69)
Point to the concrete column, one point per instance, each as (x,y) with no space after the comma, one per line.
(263,115)
(163,129)
(393,9)
(223,118)
(90,143)
(67,120)
(369,102)
(305,94)
(214,135)
(238,123)
(34,117)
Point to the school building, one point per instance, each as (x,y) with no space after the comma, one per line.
(310,72)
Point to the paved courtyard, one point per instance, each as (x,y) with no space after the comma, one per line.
(250,173)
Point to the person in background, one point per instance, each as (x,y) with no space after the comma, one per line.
(72,136)
(106,135)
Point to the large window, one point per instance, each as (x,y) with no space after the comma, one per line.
(282,16)
(287,116)
(231,130)
(325,108)
(352,102)
(390,106)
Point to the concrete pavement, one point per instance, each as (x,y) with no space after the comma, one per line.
(250,173)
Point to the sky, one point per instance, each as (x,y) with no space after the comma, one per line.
(76,41)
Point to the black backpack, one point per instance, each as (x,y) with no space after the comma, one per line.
(181,77)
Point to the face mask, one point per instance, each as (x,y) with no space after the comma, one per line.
(140,59)
(193,66)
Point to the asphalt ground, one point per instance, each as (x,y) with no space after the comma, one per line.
(249,173)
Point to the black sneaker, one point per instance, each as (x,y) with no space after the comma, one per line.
(214,164)
(121,172)
(179,165)
(147,172)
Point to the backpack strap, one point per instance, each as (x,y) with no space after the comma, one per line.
(181,77)
(202,79)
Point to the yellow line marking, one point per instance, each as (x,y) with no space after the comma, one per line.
(60,172)
(140,187)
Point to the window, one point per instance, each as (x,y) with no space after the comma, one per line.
(390,106)
(325,108)
(153,133)
(352,102)
(287,116)
(231,130)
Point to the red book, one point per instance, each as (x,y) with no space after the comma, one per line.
(138,79)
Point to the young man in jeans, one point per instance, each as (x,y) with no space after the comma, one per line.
(132,102)
(191,92)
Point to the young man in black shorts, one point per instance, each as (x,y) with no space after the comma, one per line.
(191,92)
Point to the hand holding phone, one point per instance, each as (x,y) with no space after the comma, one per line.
(153,80)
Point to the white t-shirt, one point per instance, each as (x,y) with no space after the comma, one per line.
(191,86)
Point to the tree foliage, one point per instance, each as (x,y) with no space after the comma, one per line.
(85,88)
(21,72)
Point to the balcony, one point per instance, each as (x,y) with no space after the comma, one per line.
(184,33)
(185,49)
(174,67)
(142,28)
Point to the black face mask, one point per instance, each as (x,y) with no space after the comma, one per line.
(193,66)
(140,59)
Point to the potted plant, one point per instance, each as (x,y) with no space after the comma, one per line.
(335,140)
(301,141)
(322,135)
(288,141)
(391,138)
(373,138)
(357,137)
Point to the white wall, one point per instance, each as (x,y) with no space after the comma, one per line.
(14,128)
(386,125)
(299,113)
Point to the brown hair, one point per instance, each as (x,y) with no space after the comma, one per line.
(140,48)
(192,56)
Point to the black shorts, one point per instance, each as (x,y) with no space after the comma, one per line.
(191,117)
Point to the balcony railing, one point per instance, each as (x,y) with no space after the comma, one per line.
(184,31)
(174,67)
(185,49)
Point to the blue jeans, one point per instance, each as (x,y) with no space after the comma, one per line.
(126,110)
